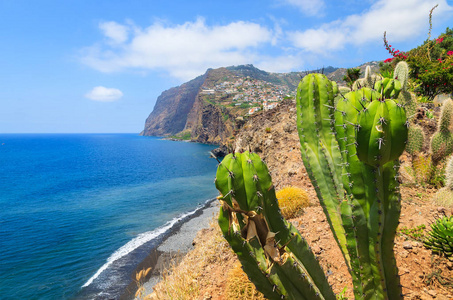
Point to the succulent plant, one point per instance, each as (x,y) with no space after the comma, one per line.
(367,81)
(360,198)
(292,200)
(449,174)
(440,239)
(350,146)
(401,72)
(416,138)
(272,252)
(442,139)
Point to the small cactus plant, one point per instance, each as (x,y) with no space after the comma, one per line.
(442,140)
(440,239)
(444,196)
(239,287)
(292,201)
(449,174)
(367,81)
(401,73)
(416,139)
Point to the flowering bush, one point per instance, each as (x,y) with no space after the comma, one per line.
(431,64)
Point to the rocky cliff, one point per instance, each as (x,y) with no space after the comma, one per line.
(212,108)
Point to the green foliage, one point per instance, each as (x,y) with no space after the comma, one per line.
(431,66)
(386,69)
(183,135)
(440,239)
(416,233)
(268,130)
(244,105)
(352,74)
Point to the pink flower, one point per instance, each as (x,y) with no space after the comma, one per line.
(388,60)
(450,53)
(439,40)
(440,60)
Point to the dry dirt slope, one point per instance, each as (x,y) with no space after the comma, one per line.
(273,136)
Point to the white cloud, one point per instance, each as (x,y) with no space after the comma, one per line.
(117,33)
(184,50)
(104,94)
(279,64)
(401,19)
(308,7)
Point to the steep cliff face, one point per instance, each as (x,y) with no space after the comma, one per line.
(212,107)
(172,108)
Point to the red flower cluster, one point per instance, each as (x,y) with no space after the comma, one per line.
(393,52)
(439,40)
(450,53)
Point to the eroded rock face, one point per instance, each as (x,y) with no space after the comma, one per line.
(172,108)
(273,135)
(206,108)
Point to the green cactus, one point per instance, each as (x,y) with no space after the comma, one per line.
(406,98)
(401,73)
(442,139)
(360,199)
(382,133)
(273,254)
(440,239)
(409,101)
(367,81)
(444,196)
(449,174)
(446,116)
(388,88)
(415,140)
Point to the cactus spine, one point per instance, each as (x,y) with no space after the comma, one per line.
(367,81)
(442,140)
(401,73)
(406,98)
(415,140)
(272,252)
(360,198)
(449,174)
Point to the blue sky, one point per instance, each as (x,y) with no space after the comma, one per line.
(81,66)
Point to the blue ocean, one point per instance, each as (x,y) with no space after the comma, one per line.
(79,211)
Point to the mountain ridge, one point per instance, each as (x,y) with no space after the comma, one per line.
(212,107)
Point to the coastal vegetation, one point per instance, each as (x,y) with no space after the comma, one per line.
(359,149)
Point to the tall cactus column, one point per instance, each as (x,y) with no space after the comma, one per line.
(272,252)
(350,147)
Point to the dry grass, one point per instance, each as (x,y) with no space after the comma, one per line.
(239,287)
(292,201)
(140,280)
(421,165)
(444,197)
(186,280)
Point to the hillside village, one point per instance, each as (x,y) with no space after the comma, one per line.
(246,93)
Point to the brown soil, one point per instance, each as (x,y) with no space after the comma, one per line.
(423,275)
